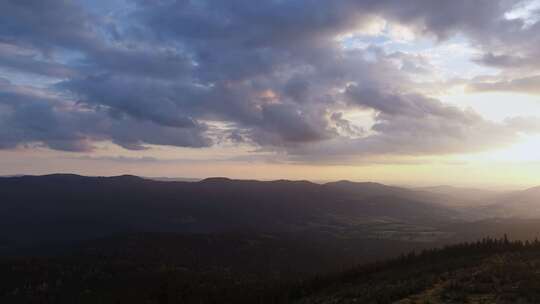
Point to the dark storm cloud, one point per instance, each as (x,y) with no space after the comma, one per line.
(271,23)
(444,18)
(143,98)
(511,44)
(503,61)
(47,25)
(159,72)
(145,63)
(29,118)
(412,105)
(31,63)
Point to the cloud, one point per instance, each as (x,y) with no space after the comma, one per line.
(47,25)
(529,85)
(145,99)
(160,72)
(28,118)
(411,124)
(525,124)
(28,61)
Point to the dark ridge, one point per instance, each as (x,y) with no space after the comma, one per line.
(76,207)
(366,187)
(57,176)
(348,183)
(126,177)
(297,182)
(71,176)
(224,180)
(216,180)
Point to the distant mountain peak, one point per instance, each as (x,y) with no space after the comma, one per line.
(359,185)
(126,178)
(56,175)
(533,189)
(217,179)
(348,182)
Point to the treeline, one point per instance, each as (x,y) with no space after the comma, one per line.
(392,280)
(487,245)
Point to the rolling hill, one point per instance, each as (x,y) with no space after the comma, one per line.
(71,207)
(518,204)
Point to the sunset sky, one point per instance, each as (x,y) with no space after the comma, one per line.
(416,92)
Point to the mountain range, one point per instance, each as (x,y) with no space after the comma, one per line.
(68,207)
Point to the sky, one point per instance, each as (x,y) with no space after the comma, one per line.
(416,92)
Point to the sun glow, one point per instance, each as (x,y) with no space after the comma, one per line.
(527,150)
